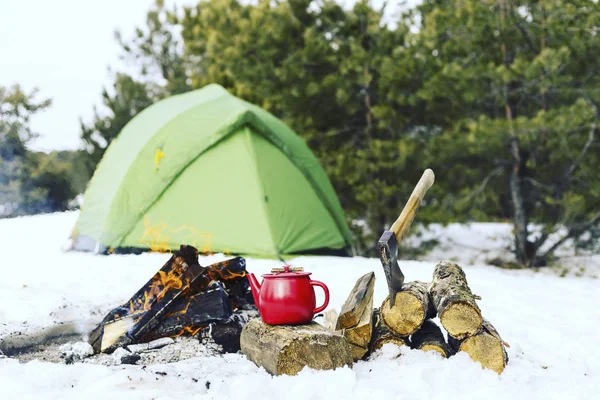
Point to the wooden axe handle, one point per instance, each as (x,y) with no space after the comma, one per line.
(405,220)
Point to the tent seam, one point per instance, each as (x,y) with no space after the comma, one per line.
(248,138)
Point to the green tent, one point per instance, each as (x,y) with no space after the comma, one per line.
(208,169)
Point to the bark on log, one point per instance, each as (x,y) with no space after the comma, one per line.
(357,302)
(411,309)
(286,349)
(430,337)
(486,347)
(382,334)
(454,302)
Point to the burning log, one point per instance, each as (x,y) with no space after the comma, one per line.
(382,334)
(486,346)
(127,323)
(358,300)
(287,349)
(454,302)
(191,313)
(227,334)
(430,337)
(176,300)
(412,307)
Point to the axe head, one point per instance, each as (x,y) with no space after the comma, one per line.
(387,245)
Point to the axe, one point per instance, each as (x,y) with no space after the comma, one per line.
(390,240)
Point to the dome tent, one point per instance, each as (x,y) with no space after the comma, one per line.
(208,169)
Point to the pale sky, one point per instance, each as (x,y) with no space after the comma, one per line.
(64,48)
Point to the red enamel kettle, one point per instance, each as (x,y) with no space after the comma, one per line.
(286,296)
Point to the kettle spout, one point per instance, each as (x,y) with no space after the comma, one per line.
(255,286)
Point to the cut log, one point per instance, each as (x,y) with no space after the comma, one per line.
(191,313)
(287,349)
(486,347)
(430,338)
(360,335)
(454,302)
(382,334)
(357,302)
(358,352)
(411,309)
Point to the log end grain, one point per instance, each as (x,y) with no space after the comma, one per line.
(381,340)
(430,337)
(461,319)
(382,334)
(406,316)
(486,349)
(434,347)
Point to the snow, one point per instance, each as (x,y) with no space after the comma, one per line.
(550,321)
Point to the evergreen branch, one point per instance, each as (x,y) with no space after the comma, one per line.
(574,231)
(525,34)
(587,144)
(482,186)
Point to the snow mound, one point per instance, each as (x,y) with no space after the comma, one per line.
(550,322)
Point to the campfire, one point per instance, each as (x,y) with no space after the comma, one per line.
(182,298)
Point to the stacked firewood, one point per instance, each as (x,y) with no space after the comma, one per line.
(409,321)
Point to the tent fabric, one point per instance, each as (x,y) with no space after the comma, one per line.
(209,169)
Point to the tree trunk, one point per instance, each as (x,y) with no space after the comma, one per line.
(382,334)
(412,308)
(430,338)
(453,301)
(486,347)
(287,349)
(516,195)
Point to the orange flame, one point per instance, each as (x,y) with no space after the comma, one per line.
(157,237)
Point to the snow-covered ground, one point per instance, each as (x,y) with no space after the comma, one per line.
(551,323)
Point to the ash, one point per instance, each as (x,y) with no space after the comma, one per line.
(181,348)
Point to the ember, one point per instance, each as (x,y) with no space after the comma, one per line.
(182,298)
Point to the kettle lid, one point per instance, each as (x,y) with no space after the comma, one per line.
(287,271)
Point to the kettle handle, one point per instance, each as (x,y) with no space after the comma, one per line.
(326,290)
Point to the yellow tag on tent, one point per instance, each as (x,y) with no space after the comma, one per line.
(158,156)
